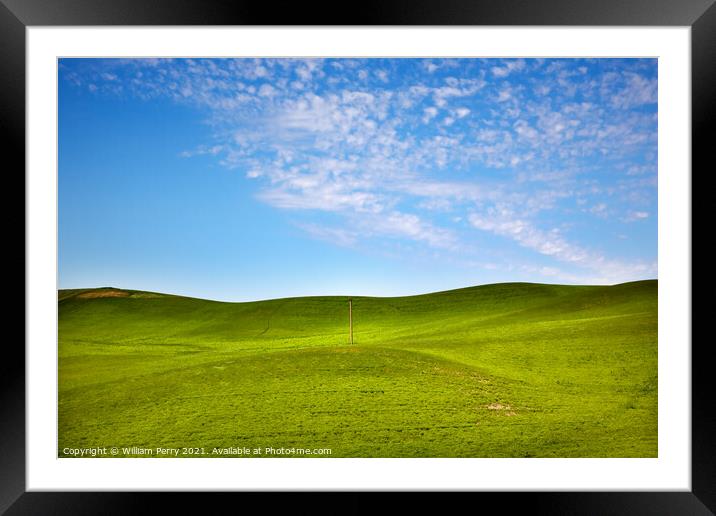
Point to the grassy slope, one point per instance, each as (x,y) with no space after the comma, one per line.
(509,370)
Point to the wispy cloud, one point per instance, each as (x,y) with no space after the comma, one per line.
(636,215)
(337,236)
(554,244)
(551,243)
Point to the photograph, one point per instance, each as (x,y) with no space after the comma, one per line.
(357,257)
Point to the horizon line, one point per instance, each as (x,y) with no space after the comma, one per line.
(349,296)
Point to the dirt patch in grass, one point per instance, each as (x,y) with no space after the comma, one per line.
(498,406)
(103,293)
(505,410)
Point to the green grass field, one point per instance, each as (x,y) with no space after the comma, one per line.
(505,370)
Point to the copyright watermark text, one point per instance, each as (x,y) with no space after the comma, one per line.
(194,451)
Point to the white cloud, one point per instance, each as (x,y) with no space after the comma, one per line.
(504,95)
(266,90)
(393,224)
(636,215)
(310,195)
(524,130)
(429,113)
(553,244)
(413,227)
(637,91)
(203,150)
(550,243)
(308,69)
(456,88)
(337,236)
(508,68)
(600,209)
(430,66)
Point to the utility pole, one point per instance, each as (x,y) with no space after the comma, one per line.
(350,318)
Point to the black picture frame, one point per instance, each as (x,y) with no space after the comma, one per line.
(16,15)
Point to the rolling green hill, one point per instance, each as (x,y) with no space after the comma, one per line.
(505,370)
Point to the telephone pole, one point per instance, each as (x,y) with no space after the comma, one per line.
(350,318)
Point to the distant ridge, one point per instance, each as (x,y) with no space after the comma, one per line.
(115,292)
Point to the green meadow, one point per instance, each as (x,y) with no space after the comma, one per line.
(504,370)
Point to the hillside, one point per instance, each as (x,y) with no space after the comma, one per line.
(505,370)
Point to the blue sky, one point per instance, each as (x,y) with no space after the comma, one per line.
(242,179)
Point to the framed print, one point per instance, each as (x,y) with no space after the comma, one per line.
(441,249)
